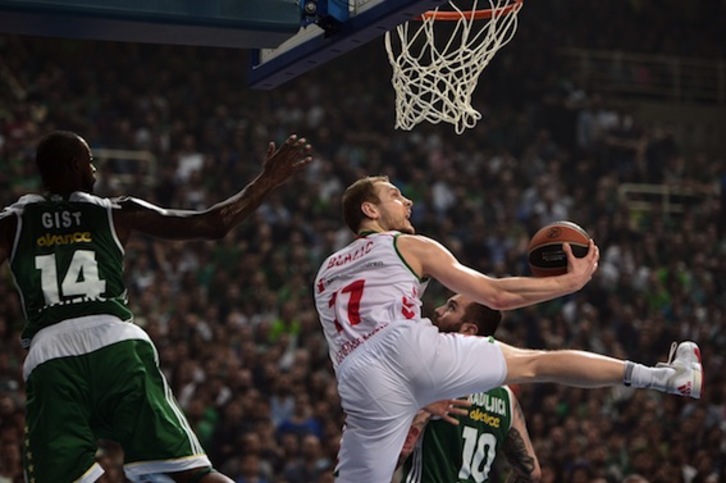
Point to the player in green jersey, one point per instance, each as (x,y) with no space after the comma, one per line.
(437,451)
(90,373)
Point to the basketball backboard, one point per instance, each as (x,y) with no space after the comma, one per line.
(329,29)
(212,23)
(288,37)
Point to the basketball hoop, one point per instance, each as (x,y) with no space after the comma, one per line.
(434,78)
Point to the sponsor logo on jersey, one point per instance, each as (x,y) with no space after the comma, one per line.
(48,240)
(486,418)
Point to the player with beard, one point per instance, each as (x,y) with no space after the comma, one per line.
(438,451)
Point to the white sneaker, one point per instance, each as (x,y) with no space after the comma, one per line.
(687,380)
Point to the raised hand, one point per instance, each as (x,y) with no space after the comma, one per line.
(282,163)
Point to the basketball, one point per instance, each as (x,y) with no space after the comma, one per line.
(546,256)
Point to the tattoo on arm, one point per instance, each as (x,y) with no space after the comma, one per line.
(518,456)
(516,452)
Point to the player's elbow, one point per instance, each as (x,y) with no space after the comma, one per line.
(218,232)
(499,300)
(216,227)
(535,476)
(209,230)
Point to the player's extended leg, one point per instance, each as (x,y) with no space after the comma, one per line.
(682,375)
(570,367)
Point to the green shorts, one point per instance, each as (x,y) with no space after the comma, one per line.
(116,392)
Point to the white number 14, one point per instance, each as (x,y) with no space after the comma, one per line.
(81,278)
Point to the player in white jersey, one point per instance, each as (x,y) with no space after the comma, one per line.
(389,361)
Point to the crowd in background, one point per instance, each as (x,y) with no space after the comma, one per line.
(234,322)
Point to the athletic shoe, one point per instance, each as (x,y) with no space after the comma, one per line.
(687,380)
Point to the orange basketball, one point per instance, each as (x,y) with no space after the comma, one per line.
(546,256)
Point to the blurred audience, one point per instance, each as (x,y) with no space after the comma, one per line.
(234,322)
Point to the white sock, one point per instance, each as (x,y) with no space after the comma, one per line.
(640,376)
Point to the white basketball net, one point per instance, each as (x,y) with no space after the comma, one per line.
(434,78)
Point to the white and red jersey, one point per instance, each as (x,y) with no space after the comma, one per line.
(363,289)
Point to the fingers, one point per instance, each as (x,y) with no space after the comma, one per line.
(458,411)
(568,250)
(459,403)
(450,420)
(448,409)
(585,266)
(450,412)
(458,407)
(303,163)
(594,250)
(293,143)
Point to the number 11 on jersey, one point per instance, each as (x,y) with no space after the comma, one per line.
(355,292)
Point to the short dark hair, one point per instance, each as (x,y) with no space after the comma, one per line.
(355,195)
(485,318)
(55,153)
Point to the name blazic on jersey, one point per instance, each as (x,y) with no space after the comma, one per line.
(344,258)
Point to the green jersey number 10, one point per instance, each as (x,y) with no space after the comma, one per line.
(477,455)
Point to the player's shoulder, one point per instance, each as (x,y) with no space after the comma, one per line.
(415,242)
(131,203)
(91,199)
(20,204)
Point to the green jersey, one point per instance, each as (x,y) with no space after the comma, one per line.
(446,453)
(66,260)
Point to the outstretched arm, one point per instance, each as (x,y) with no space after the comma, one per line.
(217,221)
(429,258)
(519,451)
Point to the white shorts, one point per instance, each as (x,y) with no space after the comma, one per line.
(383,385)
